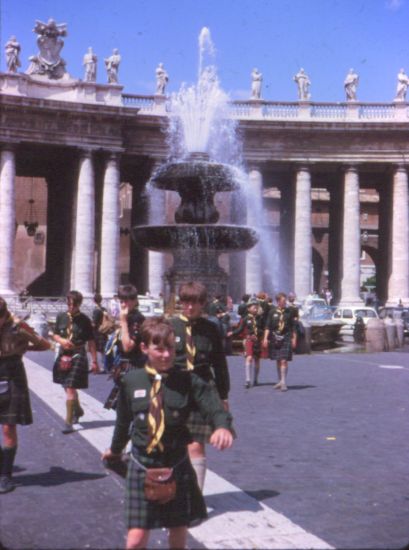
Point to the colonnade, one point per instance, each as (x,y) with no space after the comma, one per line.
(397,256)
(83,266)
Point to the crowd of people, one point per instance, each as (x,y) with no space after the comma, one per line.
(170,388)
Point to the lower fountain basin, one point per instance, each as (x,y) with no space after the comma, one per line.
(171,238)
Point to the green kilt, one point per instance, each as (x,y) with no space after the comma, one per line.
(187,507)
(198,428)
(284,352)
(77,376)
(15,407)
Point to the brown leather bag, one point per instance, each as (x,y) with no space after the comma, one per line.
(65,363)
(160,485)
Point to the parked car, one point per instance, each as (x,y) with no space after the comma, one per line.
(349,314)
(149,307)
(396,313)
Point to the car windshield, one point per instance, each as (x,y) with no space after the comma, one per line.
(365,313)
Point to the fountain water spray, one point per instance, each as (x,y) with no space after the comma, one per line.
(202,141)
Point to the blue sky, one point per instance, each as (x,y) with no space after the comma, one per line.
(325,37)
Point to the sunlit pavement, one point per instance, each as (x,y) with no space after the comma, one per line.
(322,465)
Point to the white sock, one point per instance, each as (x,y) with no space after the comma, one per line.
(199,466)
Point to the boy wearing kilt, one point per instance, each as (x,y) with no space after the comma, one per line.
(279,337)
(16,337)
(199,350)
(156,401)
(251,328)
(127,340)
(72,331)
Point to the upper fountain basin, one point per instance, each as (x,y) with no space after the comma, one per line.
(196,173)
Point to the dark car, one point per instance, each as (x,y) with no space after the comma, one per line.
(396,312)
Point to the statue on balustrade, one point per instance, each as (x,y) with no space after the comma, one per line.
(48,62)
(112,66)
(303,84)
(90,64)
(256,81)
(402,87)
(162,78)
(351,85)
(12,49)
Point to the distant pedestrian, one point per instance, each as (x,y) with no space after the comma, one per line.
(16,337)
(278,337)
(250,329)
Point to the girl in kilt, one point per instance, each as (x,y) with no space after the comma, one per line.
(16,337)
(156,401)
(73,330)
(280,338)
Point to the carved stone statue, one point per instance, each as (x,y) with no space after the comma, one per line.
(351,85)
(112,66)
(48,62)
(90,64)
(256,81)
(12,49)
(303,84)
(162,78)
(402,87)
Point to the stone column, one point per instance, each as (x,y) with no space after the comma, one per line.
(157,216)
(85,228)
(302,234)
(254,268)
(7,220)
(398,284)
(110,228)
(351,240)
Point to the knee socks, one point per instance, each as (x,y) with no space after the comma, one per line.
(199,466)
(8,456)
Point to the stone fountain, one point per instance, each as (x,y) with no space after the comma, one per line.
(196,240)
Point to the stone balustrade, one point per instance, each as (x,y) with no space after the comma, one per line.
(286,110)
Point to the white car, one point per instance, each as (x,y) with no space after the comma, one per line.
(349,315)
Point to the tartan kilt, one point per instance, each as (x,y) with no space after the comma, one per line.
(285,351)
(198,428)
(15,407)
(187,507)
(77,376)
(252,347)
(100,341)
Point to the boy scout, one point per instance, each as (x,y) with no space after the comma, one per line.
(156,401)
(199,349)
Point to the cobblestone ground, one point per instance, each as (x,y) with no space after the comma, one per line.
(331,454)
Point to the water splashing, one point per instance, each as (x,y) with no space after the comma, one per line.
(200,120)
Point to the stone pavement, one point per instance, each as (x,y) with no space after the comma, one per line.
(323,465)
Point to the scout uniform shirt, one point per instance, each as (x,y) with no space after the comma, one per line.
(181,391)
(280,320)
(209,360)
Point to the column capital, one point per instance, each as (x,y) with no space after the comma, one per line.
(112,155)
(302,166)
(399,167)
(8,147)
(351,167)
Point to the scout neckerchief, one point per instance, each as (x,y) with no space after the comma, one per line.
(252,319)
(70,331)
(190,346)
(281,322)
(156,415)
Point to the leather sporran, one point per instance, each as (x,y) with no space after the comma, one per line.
(160,485)
(65,363)
(278,340)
